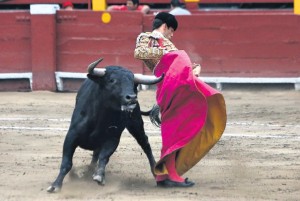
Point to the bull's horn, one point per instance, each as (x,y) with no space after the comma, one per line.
(147,79)
(99,71)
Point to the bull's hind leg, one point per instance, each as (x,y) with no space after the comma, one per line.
(107,149)
(66,165)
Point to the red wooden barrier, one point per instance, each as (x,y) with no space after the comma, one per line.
(82,37)
(252,44)
(43,51)
(230,44)
(150,2)
(15,42)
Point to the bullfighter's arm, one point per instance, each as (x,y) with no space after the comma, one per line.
(196,69)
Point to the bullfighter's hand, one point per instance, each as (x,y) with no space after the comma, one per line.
(196,69)
(165,51)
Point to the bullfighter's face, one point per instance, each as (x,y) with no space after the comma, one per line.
(168,32)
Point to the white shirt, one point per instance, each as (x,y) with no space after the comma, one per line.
(180,11)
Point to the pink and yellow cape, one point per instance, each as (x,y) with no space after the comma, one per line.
(193,113)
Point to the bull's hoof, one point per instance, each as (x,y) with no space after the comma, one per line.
(99,179)
(53,189)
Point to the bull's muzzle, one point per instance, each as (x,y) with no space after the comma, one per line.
(130,101)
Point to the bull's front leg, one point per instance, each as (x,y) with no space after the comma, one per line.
(138,132)
(66,165)
(107,149)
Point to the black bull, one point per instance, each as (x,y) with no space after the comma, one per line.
(106,104)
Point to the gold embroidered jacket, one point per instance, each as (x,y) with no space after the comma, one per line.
(151,46)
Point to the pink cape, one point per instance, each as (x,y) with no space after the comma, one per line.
(193,113)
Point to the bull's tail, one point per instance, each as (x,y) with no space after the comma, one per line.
(154,115)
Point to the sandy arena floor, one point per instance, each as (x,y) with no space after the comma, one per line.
(257,158)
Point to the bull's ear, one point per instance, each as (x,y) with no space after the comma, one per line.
(94,78)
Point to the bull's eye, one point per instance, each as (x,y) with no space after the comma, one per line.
(112,81)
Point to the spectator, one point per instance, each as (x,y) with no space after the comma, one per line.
(68,5)
(176,8)
(131,5)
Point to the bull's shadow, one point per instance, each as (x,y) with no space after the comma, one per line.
(106,104)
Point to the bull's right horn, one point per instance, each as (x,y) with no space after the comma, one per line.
(147,79)
(98,71)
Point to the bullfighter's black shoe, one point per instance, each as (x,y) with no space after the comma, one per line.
(169,183)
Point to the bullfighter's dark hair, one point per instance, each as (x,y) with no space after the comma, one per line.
(164,17)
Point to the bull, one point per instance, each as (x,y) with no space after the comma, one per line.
(106,104)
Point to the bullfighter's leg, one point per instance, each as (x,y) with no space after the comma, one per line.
(107,149)
(136,128)
(66,164)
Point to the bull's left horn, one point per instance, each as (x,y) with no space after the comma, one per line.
(147,79)
(99,71)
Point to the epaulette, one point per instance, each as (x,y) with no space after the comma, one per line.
(154,34)
(141,35)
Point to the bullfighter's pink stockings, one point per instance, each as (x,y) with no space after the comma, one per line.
(172,173)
